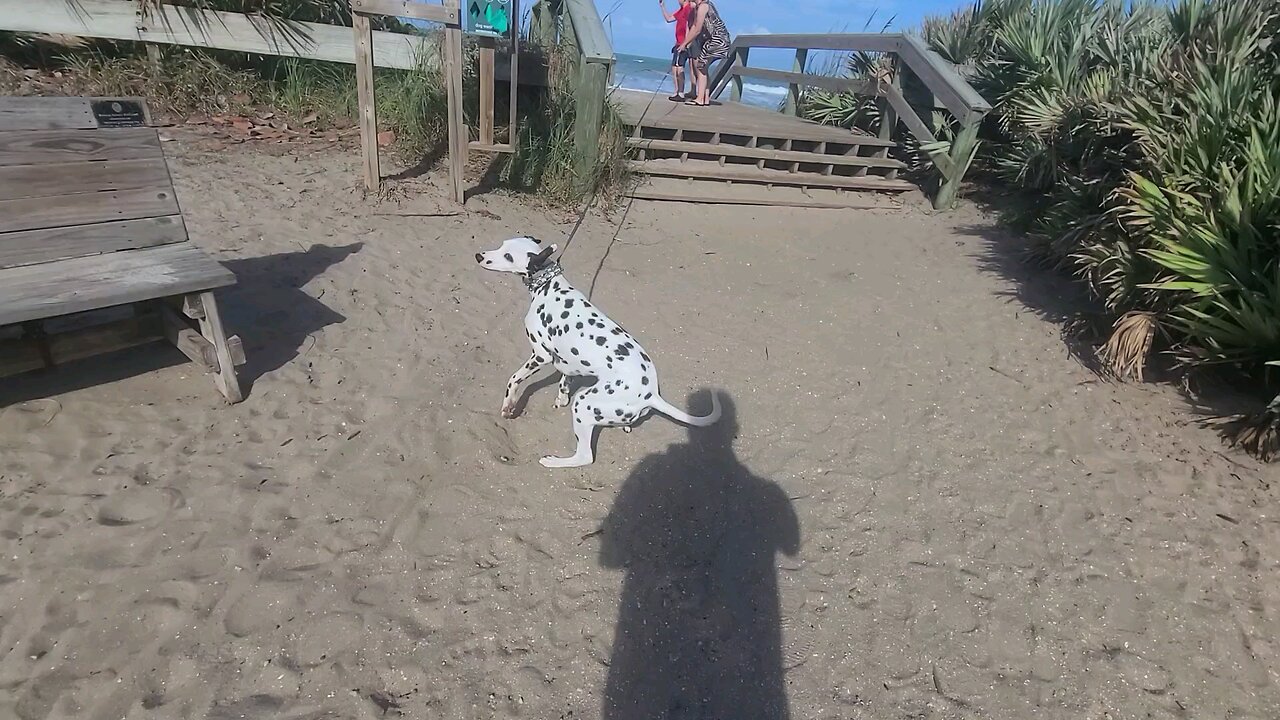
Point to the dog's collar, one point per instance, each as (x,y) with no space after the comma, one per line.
(542,277)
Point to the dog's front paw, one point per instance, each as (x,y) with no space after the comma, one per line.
(562,400)
(509,412)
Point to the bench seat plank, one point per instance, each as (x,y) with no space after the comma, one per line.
(46,113)
(24,181)
(38,147)
(82,208)
(63,287)
(46,244)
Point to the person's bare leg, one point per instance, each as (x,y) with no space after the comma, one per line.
(677,77)
(702,83)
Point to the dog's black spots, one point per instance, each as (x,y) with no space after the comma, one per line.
(573,350)
(622,351)
(647,396)
(579,326)
(568,303)
(608,391)
(508,257)
(564,330)
(644,380)
(644,368)
(616,331)
(645,357)
(600,340)
(630,346)
(564,315)
(618,412)
(586,364)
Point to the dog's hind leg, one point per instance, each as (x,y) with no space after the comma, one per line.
(584,430)
(536,362)
(562,399)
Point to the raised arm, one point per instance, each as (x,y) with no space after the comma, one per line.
(669,17)
(696,28)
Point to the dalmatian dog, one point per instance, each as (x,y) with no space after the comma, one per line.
(579,340)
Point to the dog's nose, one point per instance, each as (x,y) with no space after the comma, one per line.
(479,257)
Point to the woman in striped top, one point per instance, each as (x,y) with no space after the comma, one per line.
(709,39)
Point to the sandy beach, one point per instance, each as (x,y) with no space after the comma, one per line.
(919,506)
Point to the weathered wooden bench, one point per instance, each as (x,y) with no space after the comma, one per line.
(94,254)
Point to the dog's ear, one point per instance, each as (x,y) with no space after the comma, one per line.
(537,261)
(535,240)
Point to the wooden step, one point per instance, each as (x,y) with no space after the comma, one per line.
(851,204)
(748,174)
(732,150)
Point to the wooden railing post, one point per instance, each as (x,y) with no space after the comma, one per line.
(793,90)
(888,115)
(543,17)
(963,148)
(740,58)
(589,98)
(363,31)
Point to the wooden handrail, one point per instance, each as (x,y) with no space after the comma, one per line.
(940,76)
(826,82)
(588,29)
(909,54)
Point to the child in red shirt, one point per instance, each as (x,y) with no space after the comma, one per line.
(679,57)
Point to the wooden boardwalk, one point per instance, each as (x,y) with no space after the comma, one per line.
(730,143)
(655,110)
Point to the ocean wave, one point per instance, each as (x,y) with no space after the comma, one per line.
(764,89)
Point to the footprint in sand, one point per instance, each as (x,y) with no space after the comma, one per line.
(138,505)
(262,608)
(325,639)
(798,638)
(26,417)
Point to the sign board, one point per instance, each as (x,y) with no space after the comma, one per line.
(118,113)
(487,17)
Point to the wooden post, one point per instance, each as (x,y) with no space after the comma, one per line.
(453,85)
(735,92)
(592,79)
(153,58)
(514,80)
(542,22)
(363,31)
(963,148)
(889,116)
(793,91)
(486,90)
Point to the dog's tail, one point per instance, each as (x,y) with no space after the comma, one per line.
(675,413)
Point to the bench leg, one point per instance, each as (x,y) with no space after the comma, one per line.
(211,327)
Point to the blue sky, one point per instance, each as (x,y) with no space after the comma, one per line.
(637,26)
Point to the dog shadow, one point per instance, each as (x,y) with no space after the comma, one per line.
(699,631)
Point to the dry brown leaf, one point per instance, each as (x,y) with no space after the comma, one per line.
(386,137)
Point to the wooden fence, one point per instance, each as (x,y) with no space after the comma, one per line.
(577,25)
(936,78)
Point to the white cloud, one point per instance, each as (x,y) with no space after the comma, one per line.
(756,30)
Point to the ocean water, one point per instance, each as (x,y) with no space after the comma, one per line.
(637,72)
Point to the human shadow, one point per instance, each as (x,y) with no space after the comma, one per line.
(699,632)
(270,311)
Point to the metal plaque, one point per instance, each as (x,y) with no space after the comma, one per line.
(118,113)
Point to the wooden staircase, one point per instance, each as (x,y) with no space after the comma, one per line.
(730,144)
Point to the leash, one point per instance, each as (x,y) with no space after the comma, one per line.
(625,211)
